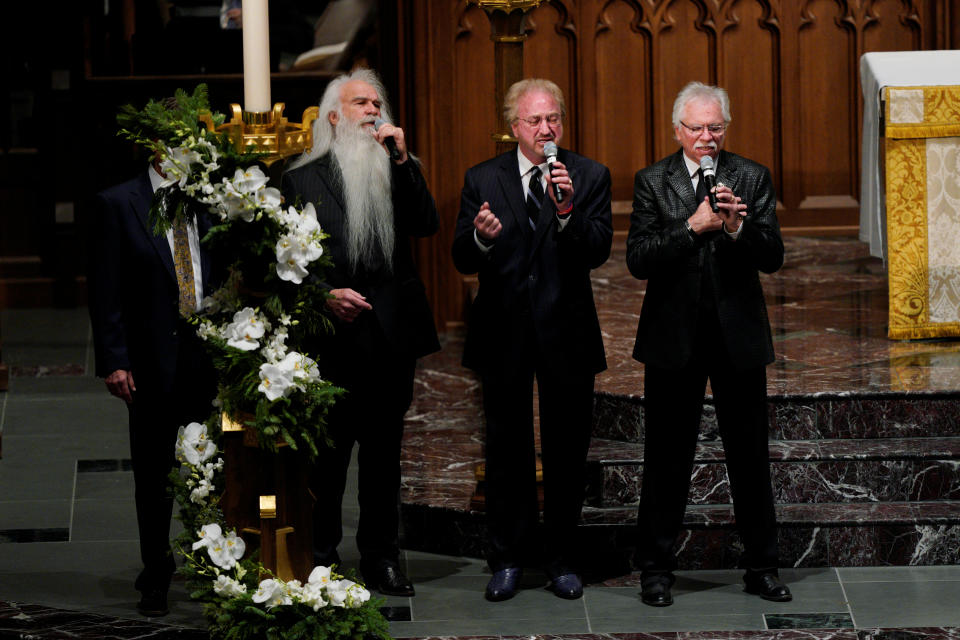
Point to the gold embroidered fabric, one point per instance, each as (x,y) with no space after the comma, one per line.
(923,211)
(183,264)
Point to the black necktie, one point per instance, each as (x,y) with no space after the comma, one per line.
(701,187)
(535,197)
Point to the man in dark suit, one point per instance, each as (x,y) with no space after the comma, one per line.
(148,354)
(703,316)
(534,316)
(371,206)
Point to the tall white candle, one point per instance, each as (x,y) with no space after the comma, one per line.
(256,56)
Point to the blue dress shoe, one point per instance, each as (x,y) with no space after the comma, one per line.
(503,584)
(567,586)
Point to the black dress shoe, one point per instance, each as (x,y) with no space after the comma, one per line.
(503,584)
(153,603)
(656,591)
(566,586)
(388,579)
(768,586)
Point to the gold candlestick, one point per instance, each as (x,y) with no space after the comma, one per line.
(267,131)
(507,32)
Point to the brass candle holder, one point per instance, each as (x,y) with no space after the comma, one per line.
(507,32)
(267,131)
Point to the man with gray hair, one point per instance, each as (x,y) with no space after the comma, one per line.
(370,205)
(703,317)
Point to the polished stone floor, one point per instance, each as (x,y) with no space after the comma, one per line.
(68,550)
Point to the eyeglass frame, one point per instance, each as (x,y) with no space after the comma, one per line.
(553,119)
(713,129)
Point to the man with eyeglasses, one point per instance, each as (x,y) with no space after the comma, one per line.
(703,316)
(534,316)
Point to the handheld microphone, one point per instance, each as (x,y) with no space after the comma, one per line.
(390,142)
(550,150)
(709,180)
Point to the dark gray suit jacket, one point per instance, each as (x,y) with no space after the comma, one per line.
(398,297)
(660,250)
(540,276)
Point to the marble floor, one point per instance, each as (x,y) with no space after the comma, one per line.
(68,549)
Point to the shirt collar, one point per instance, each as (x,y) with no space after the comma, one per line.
(693,166)
(526,165)
(155,178)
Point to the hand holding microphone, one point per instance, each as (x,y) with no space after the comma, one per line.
(550,151)
(389,141)
(730,208)
(709,181)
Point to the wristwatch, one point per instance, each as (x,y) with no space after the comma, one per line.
(690,231)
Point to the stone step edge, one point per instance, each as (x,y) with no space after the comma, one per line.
(828,450)
(822,396)
(934,513)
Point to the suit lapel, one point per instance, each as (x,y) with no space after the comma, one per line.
(547,210)
(680,181)
(324,170)
(140,201)
(509,177)
(727,171)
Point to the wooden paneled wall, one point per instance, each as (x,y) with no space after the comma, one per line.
(791,68)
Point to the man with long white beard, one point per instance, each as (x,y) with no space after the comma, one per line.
(370,205)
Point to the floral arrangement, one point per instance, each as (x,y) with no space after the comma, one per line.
(240,602)
(258,323)
(257,326)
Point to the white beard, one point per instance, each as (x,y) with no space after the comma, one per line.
(365,177)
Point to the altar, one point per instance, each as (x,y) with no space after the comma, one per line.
(910,202)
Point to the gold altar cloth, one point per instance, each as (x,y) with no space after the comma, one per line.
(923,210)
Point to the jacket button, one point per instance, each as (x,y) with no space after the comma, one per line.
(533,278)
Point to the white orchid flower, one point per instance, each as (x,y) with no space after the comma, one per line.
(193,445)
(226,550)
(269,199)
(271,593)
(337,592)
(249,180)
(291,259)
(207,533)
(201,492)
(300,366)
(246,330)
(275,381)
(356,595)
(312,596)
(228,587)
(319,576)
(175,166)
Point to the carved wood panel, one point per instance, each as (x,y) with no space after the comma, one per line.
(790,67)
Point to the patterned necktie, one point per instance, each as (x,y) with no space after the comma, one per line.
(183,264)
(535,197)
(701,187)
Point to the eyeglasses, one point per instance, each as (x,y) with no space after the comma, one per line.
(552,119)
(714,129)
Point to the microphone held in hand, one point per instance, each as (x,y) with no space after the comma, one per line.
(709,180)
(390,142)
(550,150)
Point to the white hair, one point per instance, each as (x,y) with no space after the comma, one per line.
(363,170)
(699,91)
(323,131)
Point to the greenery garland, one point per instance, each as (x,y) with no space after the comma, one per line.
(256,327)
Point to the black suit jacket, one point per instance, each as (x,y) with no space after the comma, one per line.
(660,250)
(398,297)
(133,292)
(540,276)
